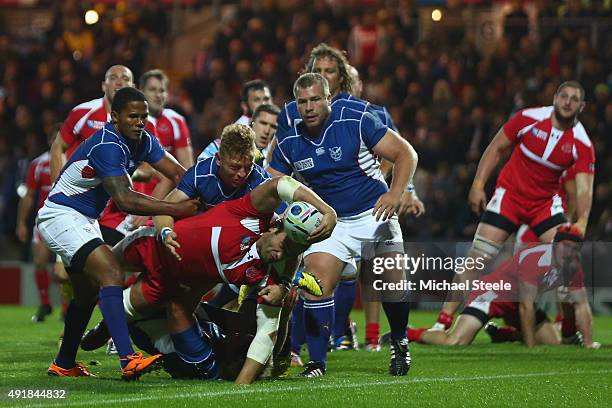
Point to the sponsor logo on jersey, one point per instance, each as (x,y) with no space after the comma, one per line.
(88,172)
(549,278)
(335,153)
(245,243)
(305,164)
(95,124)
(320,151)
(540,134)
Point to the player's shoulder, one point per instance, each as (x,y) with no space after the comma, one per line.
(205,167)
(539,113)
(259,173)
(536,255)
(172,114)
(580,134)
(89,106)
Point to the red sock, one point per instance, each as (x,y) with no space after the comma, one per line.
(42,283)
(415,334)
(558,317)
(445,319)
(568,327)
(372,333)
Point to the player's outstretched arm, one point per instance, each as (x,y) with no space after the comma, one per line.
(268,196)
(23,211)
(528,294)
(584,317)
(491,156)
(584,199)
(132,202)
(58,157)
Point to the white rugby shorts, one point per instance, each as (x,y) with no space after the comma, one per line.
(361,231)
(65,230)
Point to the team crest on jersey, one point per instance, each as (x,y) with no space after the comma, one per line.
(335,153)
(251,273)
(245,243)
(320,151)
(540,134)
(305,164)
(566,148)
(163,128)
(95,124)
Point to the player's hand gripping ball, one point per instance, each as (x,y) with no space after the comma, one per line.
(300,220)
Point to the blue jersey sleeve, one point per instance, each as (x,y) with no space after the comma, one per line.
(282,122)
(389,120)
(108,160)
(371,129)
(155,151)
(279,161)
(187,184)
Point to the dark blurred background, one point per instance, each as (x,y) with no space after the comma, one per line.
(450,72)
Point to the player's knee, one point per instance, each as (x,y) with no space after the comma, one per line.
(484,248)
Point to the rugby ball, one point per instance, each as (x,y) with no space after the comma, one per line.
(300,220)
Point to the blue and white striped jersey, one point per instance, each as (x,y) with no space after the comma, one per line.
(338,164)
(104,154)
(202,181)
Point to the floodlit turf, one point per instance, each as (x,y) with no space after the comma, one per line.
(480,375)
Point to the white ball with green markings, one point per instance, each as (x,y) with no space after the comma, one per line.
(300,220)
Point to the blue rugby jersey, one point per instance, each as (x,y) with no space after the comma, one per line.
(338,164)
(105,154)
(202,181)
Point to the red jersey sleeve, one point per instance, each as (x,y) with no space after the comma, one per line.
(516,122)
(183,139)
(585,158)
(67,129)
(31,181)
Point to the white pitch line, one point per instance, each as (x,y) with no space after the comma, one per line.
(310,386)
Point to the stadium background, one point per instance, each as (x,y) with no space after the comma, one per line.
(450,72)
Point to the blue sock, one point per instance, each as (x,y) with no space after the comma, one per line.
(397,315)
(298,335)
(195,350)
(318,321)
(344,297)
(75,323)
(111,305)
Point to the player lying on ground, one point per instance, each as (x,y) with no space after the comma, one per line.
(234,242)
(531,272)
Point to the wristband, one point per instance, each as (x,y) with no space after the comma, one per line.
(164,233)
(409,188)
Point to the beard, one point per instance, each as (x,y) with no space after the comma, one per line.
(565,121)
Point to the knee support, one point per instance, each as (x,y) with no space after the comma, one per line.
(485,247)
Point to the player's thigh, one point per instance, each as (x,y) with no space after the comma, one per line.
(465,329)
(327,268)
(103,266)
(546,334)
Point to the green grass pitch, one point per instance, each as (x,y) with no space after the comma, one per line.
(480,375)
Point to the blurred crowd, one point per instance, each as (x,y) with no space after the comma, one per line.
(448,96)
